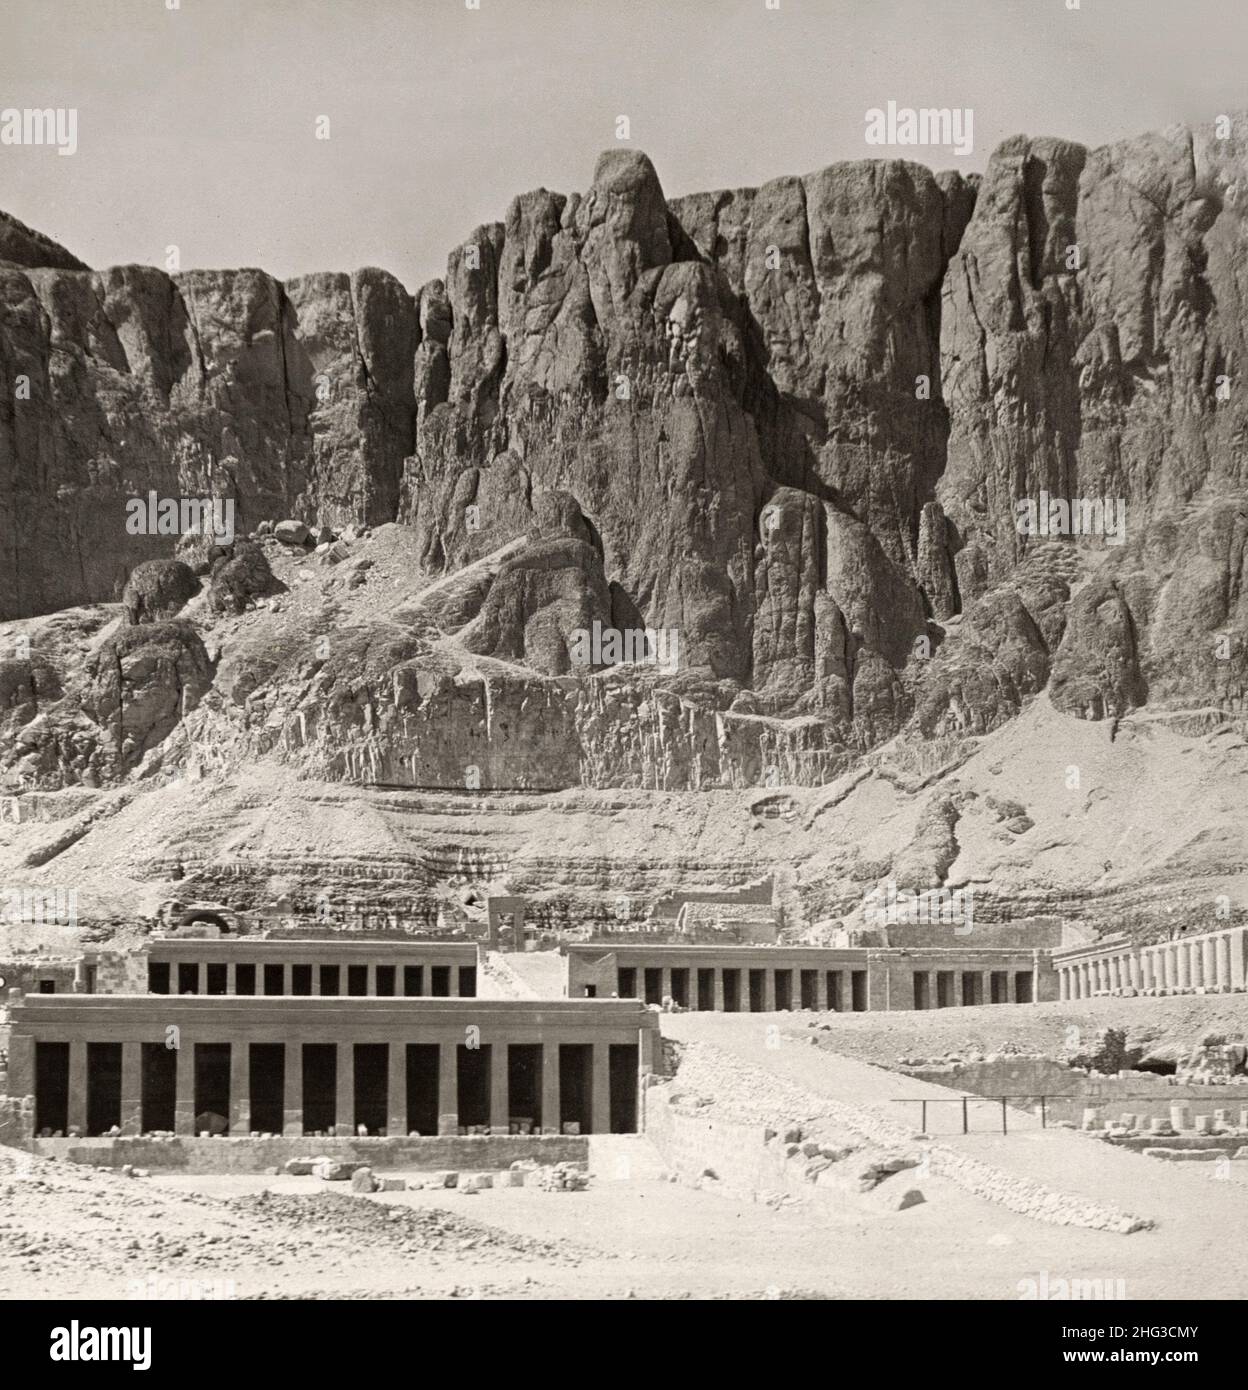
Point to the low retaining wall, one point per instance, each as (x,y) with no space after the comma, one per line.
(245,1155)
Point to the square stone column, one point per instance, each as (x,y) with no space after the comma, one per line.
(1146,968)
(1237,979)
(240,1088)
(717,987)
(500,1097)
(288,987)
(769,990)
(550,1086)
(1222,958)
(231,977)
(292,1089)
(600,1090)
(370,980)
(665,983)
(986,985)
(1185,964)
(132,1088)
(201,978)
(957,989)
(184,1096)
(396,1093)
(448,1087)
(821,990)
(344,1108)
(76,1108)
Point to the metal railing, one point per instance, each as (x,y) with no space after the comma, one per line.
(965,1101)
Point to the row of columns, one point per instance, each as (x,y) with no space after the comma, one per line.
(833,988)
(292,1091)
(958,992)
(458,984)
(1212,961)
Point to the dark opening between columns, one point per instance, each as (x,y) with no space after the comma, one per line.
(329,979)
(680,987)
(1022,987)
(859,991)
(320,1087)
(103,1087)
(372,1083)
(385,981)
(212,1087)
(413,983)
(422,1087)
(266,1076)
(273,982)
(440,986)
(244,979)
(834,990)
(467,981)
(944,989)
(706,989)
(188,977)
(524,1083)
(732,991)
(623,1069)
(576,1084)
(158,977)
(473,1064)
(756,991)
(653,981)
(357,981)
(809,985)
(784,989)
(51,1086)
(159,1086)
(626,982)
(301,979)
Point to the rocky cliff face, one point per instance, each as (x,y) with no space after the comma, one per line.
(789,425)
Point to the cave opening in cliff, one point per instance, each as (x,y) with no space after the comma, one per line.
(320,1087)
(372,1080)
(524,1082)
(422,1087)
(473,1076)
(266,1079)
(159,1067)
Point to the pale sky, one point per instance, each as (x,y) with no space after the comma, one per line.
(197,124)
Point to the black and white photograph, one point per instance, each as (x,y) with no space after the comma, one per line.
(624,667)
